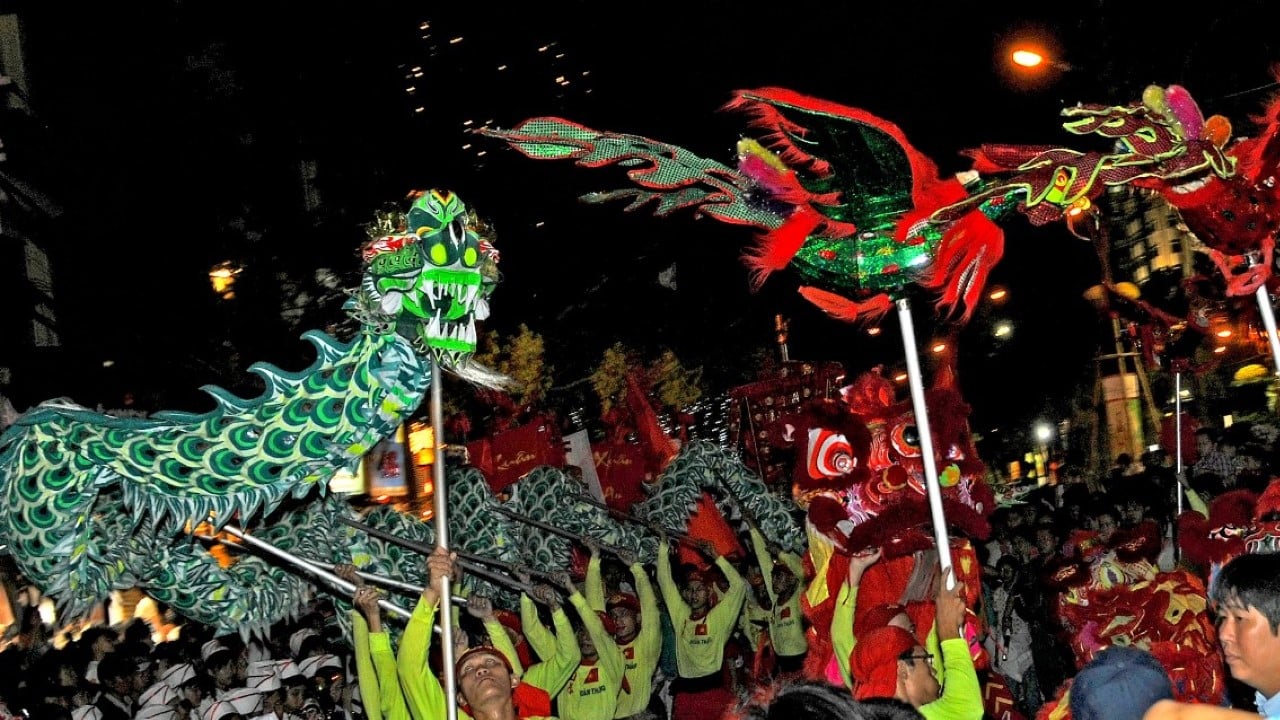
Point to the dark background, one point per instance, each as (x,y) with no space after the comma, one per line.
(171,134)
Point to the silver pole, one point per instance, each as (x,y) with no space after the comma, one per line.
(1269,322)
(926,440)
(1177,431)
(290,557)
(441,502)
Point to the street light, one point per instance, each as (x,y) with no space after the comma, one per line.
(1044,433)
(1031,57)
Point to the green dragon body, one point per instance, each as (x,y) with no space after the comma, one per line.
(94,503)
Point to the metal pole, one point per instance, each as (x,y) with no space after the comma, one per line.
(926,440)
(1177,434)
(440,498)
(299,562)
(1269,322)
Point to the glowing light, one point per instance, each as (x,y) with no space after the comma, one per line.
(900,377)
(1220,349)
(873,331)
(467,123)
(410,89)
(482,153)
(415,69)
(1003,329)
(108,363)
(223,279)
(560,78)
(939,347)
(1224,333)
(544,48)
(467,146)
(998,294)
(455,41)
(425,26)
(419,109)
(1043,432)
(1027,58)
(501,68)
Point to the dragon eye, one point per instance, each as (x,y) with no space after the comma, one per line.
(906,440)
(830,454)
(439,253)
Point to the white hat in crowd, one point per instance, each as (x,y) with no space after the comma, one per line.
(217,711)
(288,669)
(178,675)
(314,664)
(156,712)
(86,712)
(160,693)
(208,649)
(263,676)
(296,640)
(246,701)
(91,672)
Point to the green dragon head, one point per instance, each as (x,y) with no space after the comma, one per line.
(429,274)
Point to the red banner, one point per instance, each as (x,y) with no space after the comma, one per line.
(621,469)
(506,457)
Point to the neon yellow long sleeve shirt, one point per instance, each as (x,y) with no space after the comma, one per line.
(700,641)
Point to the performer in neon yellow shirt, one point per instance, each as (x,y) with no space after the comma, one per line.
(592,692)
(701,634)
(638,630)
(375,660)
(488,687)
(782,582)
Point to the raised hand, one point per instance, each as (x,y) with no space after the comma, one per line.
(592,545)
(348,572)
(860,561)
(366,601)
(950,608)
(480,608)
(626,557)
(546,595)
(522,574)
(707,548)
(564,580)
(440,565)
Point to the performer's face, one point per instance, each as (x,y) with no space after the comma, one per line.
(627,623)
(482,677)
(696,594)
(784,582)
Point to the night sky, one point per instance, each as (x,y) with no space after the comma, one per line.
(162,123)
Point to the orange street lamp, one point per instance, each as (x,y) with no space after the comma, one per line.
(1033,57)
(1027,58)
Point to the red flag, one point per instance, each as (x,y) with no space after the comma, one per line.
(621,469)
(507,456)
(708,524)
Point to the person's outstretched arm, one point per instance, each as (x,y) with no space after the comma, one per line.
(842,638)
(422,692)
